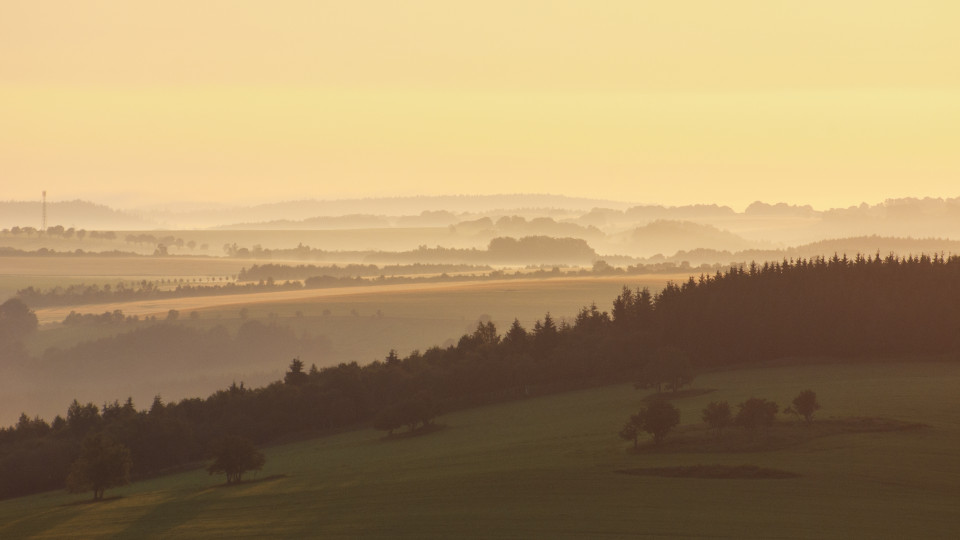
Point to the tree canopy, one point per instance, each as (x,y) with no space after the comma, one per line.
(804,405)
(234,456)
(16,321)
(717,415)
(102,463)
(657,419)
(755,413)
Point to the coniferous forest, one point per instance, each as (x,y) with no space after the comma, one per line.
(839,307)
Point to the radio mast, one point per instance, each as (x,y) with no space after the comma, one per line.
(43,222)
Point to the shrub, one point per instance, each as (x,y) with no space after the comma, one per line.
(755,413)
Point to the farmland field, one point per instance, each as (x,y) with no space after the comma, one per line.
(104,266)
(545,468)
(47,272)
(559,295)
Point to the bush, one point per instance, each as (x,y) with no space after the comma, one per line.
(755,413)
(717,415)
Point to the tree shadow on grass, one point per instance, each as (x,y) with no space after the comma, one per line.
(164,518)
(37,524)
(93,501)
(419,432)
(178,511)
(249,482)
(713,472)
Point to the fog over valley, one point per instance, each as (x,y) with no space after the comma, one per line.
(500,270)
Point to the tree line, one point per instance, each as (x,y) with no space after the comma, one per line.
(836,307)
(500,250)
(47,252)
(333,276)
(59,230)
(660,417)
(303,271)
(78,294)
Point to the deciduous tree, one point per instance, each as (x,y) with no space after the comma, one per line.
(102,463)
(717,415)
(631,431)
(234,456)
(804,405)
(755,413)
(657,419)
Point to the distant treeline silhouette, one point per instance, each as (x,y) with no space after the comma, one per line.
(80,294)
(60,231)
(143,290)
(836,307)
(501,250)
(46,252)
(853,244)
(303,271)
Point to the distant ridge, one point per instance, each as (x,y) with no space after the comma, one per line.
(305,209)
(78,214)
(779,223)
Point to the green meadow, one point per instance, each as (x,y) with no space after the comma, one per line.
(546,467)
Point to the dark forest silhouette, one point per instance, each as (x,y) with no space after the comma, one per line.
(822,307)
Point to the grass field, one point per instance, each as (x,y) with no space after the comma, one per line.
(545,468)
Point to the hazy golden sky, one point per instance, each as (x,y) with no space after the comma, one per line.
(821,102)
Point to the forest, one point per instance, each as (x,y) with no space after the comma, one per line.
(839,307)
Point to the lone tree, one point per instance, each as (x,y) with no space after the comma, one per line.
(805,404)
(657,419)
(717,415)
(756,412)
(102,463)
(234,456)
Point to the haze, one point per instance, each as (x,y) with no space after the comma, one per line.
(668,103)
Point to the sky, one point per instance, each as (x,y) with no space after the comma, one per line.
(814,102)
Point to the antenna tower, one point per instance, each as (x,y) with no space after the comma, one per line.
(43,223)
